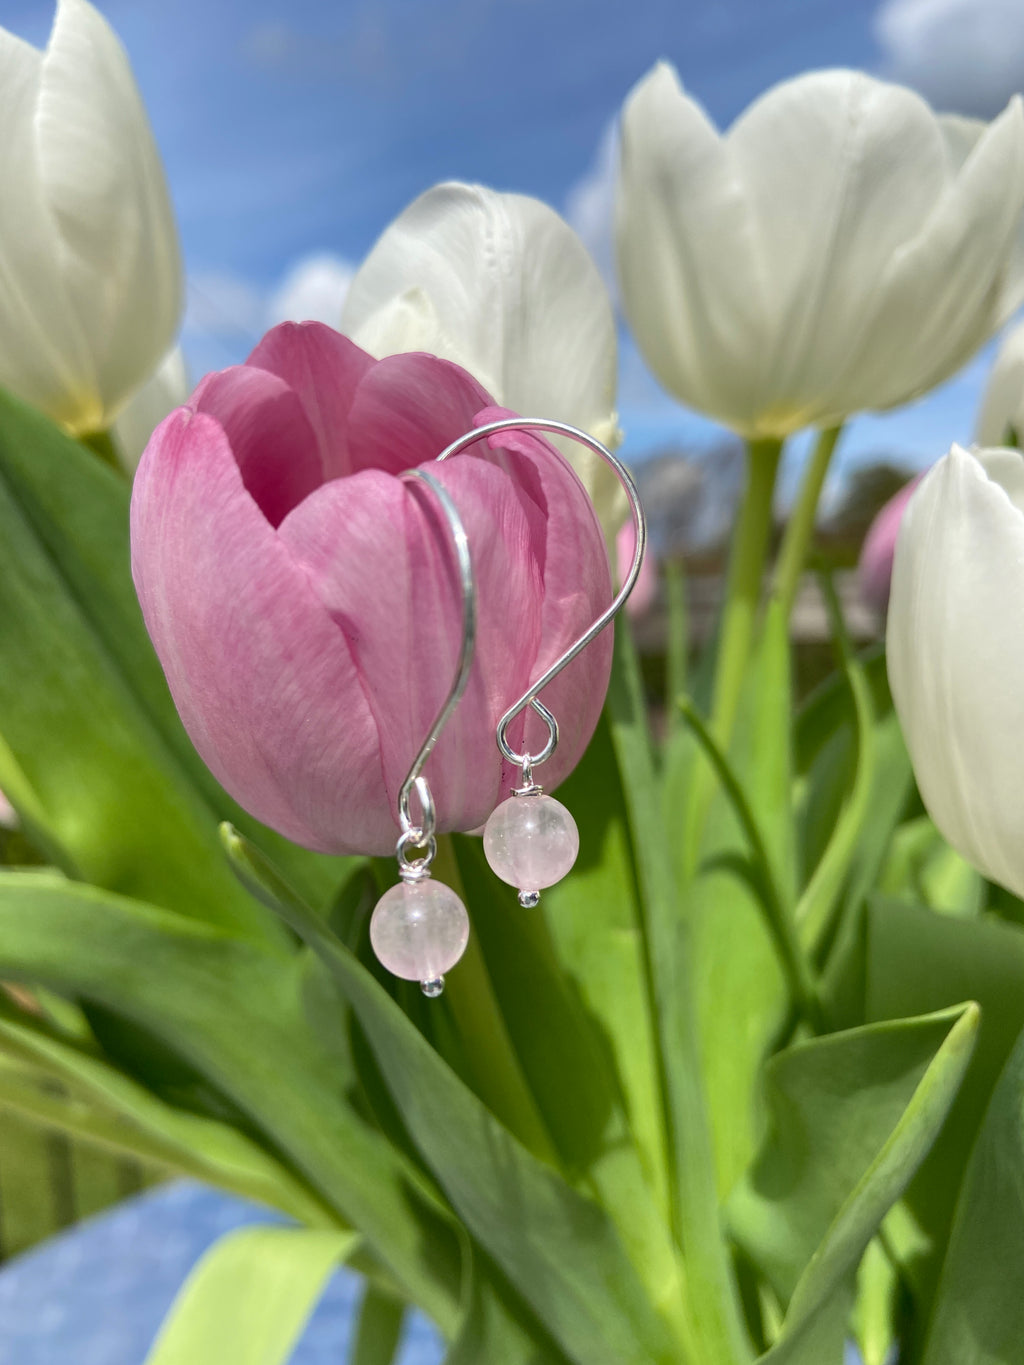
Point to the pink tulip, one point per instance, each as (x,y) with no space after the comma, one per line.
(645,589)
(874,568)
(302,598)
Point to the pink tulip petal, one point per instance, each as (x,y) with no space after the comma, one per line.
(874,568)
(573,566)
(402,615)
(408,409)
(645,589)
(324,369)
(261,676)
(269,436)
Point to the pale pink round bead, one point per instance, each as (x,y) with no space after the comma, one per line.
(419,930)
(531,842)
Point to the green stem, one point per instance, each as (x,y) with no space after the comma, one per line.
(800,528)
(751,539)
(678,644)
(498,1077)
(743,589)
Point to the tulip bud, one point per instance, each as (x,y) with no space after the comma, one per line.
(874,567)
(303,600)
(840,248)
(955,649)
(90,276)
(502,285)
(1001,419)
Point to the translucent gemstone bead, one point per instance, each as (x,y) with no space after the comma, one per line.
(419,930)
(531,842)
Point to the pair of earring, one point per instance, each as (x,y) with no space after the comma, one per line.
(419,928)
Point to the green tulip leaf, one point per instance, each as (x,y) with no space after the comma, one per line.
(91,750)
(713,1305)
(79,1093)
(378,1329)
(979,1309)
(740,983)
(496,1328)
(852,1116)
(233,1010)
(916,961)
(249,1298)
(558,1249)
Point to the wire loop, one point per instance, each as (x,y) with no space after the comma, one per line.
(529,698)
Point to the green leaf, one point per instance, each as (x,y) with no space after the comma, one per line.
(877,1306)
(713,1304)
(83,1095)
(739,982)
(558,1249)
(233,1009)
(918,960)
(979,1311)
(91,749)
(820,897)
(250,1296)
(852,1117)
(497,1329)
(921,866)
(378,1328)
(836,1107)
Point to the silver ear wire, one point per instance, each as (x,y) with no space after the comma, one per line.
(419,928)
(417,833)
(529,698)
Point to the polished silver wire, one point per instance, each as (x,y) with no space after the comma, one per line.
(420,833)
(529,698)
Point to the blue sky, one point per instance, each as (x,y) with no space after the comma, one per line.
(304,127)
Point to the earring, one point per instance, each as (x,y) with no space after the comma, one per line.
(531,840)
(419,928)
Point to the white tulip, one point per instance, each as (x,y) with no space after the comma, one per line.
(90,276)
(955,649)
(1002,407)
(167,388)
(840,248)
(500,284)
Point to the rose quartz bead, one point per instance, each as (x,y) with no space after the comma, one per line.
(531,842)
(419,930)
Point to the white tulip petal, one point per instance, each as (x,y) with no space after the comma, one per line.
(955,649)
(691,274)
(940,295)
(1002,406)
(503,286)
(166,389)
(103,181)
(960,135)
(409,322)
(43,358)
(842,248)
(841,170)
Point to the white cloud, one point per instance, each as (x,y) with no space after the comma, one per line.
(226,314)
(965,56)
(590,205)
(223,305)
(312,290)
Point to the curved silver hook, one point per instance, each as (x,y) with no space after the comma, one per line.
(529,698)
(416,834)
